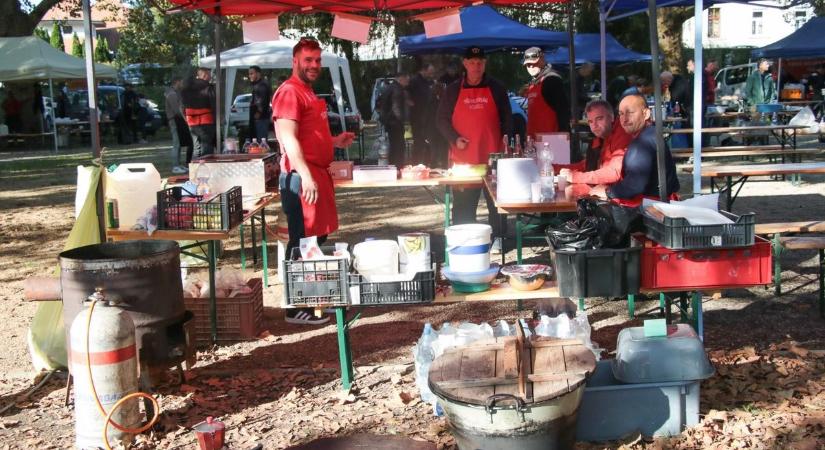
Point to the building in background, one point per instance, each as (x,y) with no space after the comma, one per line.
(107,18)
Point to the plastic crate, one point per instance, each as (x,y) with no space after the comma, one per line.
(421,289)
(676,233)
(664,268)
(314,283)
(613,410)
(219,213)
(239,318)
(604,272)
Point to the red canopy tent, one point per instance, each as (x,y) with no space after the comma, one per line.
(256,7)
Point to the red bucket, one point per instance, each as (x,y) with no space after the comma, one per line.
(210,434)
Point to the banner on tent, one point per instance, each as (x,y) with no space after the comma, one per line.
(260,29)
(441,23)
(351,27)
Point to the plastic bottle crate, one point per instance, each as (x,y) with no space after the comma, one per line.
(677,234)
(220,213)
(604,272)
(321,282)
(239,318)
(421,289)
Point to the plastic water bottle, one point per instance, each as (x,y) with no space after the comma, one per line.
(502,329)
(548,190)
(424,356)
(202,178)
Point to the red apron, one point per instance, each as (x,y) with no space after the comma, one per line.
(475,117)
(541,117)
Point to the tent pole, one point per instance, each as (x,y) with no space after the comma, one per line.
(698,101)
(218,80)
(94,130)
(657,91)
(54,125)
(574,110)
(778,82)
(603,49)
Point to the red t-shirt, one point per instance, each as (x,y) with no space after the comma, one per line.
(294,100)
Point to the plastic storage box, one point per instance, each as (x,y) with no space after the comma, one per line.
(374,174)
(597,273)
(255,173)
(676,233)
(341,170)
(239,318)
(321,282)
(421,289)
(667,269)
(679,356)
(219,213)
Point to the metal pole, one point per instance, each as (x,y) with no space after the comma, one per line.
(574,139)
(603,49)
(657,91)
(218,81)
(698,101)
(94,129)
(54,124)
(778,82)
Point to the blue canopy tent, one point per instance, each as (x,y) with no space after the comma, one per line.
(588,50)
(806,42)
(487,28)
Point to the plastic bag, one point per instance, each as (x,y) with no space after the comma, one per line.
(620,221)
(805,117)
(578,234)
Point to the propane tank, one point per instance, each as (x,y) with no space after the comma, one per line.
(111,338)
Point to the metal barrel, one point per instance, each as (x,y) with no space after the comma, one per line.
(143,278)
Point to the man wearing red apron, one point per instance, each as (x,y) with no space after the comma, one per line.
(548,108)
(307,193)
(473,116)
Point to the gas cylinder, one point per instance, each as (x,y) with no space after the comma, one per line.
(113,357)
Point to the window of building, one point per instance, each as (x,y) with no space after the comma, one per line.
(756,23)
(67,29)
(714,29)
(799,19)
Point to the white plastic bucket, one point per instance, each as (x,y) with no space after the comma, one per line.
(377,257)
(468,246)
(135,186)
(414,253)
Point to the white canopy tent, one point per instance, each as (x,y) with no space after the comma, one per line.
(31,58)
(278,55)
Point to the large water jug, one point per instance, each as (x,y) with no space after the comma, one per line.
(135,186)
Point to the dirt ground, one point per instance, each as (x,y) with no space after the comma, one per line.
(283,389)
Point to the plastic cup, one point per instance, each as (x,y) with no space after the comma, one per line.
(562,182)
(535,191)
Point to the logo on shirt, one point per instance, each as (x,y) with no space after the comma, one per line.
(476,102)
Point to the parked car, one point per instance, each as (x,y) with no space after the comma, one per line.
(352,120)
(730,82)
(239,112)
(133,73)
(110,101)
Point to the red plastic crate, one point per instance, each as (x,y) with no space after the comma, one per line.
(239,318)
(666,269)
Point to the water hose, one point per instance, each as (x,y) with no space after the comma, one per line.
(120,402)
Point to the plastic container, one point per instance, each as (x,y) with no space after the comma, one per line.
(219,213)
(377,257)
(313,283)
(255,173)
(134,186)
(513,179)
(667,269)
(374,174)
(768,108)
(210,434)
(414,252)
(604,272)
(468,246)
(613,410)
(239,318)
(679,356)
(483,276)
(421,289)
(676,233)
(341,170)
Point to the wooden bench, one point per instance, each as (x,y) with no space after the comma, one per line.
(753,151)
(811,243)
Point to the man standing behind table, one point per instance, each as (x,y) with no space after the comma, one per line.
(307,192)
(177,126)
(547,103)
(420,92)
(259,110)
(198,98)
(473,116)
(393,118)
(640,175)
(760,87)
(603,164)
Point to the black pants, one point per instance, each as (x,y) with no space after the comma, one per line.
(421,153)
(290,186)
(465,204)
(203,140)
(398,148)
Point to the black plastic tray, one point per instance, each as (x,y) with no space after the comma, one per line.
(677,234)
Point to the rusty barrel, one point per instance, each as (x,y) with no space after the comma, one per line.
(143,277)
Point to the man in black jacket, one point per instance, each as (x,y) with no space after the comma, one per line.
(259,110)
(421,113)
(198,99)
(393,118)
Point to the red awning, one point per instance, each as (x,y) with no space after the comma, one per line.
(256,7)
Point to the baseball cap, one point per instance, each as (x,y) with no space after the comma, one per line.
(532,55)
(474,52)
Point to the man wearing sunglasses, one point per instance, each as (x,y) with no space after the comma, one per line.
(548,108)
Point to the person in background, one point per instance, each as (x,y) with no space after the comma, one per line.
(640,176)
(198,99)
(615,89)
(666,81)
(420,96)
(817,82)
(37,109)
(259,110)
(451,74)
(603,163)
(584,77)
(307,192)
(547,103)
(473,116)
(681,91)
(394,117)
(11,109)
(61,103)
(760,87)
(129,115)
(177,126)
(640,87)
(708,94)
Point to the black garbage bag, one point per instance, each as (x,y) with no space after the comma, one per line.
(621,221)
(582,233)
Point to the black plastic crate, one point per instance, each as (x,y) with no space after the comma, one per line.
(313,283)
(421,289)
(677,234)
(219,213)
(604,272)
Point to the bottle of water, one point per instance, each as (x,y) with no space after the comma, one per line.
(424,356)
(246,146)
(202,179)
(546,172)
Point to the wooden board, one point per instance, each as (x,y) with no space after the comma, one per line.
(564,201)
(753,152)
(803,242)
(760,169)
(790,227)
(503,292)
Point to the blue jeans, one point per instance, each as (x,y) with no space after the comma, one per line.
(260,129)
(290,186)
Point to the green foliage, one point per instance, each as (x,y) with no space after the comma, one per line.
(56,38)
(102,50)
(77,46)
(153,37)
(41,33)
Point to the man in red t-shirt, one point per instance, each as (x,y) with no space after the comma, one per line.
(307,192)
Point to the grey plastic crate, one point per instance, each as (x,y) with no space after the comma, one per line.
(316,282)
(612,410)
(604,272)
(677,234)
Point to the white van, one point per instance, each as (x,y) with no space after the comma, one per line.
(731,81)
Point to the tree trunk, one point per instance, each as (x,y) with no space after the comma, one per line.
(16,22)
(669,21)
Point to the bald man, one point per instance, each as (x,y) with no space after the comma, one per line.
(640,176)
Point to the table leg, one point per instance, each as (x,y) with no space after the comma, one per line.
(699,321)
(213,304)
(243,249)
(712,185)
(821,283)
(668,312)
(683,306)
(344,354)
(254,243)
(729,184)
(777,265)
(502,222)
(581,304)
(662,301)
(519,231)
(264,252)
(448,200)
(631,306)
